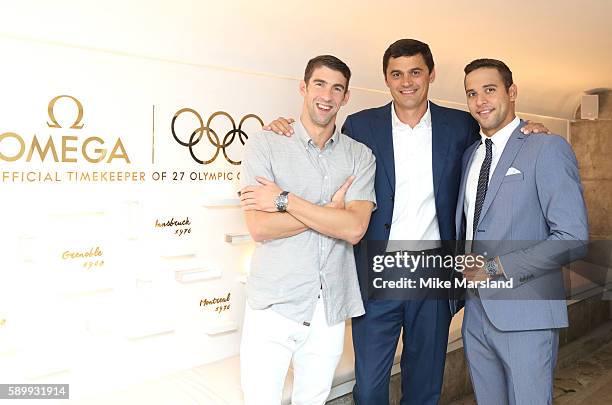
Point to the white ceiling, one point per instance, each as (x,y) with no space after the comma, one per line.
(556,49)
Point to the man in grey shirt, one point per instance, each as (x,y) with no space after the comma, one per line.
(307,199)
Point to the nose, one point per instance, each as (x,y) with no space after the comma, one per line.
(406,80)
(481,99)
(326,94)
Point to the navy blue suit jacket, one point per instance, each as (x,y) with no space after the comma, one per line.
(453,131)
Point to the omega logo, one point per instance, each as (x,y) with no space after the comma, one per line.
(69,143)
(212,136)
(77,123)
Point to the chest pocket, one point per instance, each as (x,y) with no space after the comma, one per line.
(513,177)
(315,181)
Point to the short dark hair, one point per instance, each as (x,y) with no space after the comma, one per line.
(500,66)
(408,47)
(328,61)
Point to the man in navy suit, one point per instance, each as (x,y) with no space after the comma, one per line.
(418,147)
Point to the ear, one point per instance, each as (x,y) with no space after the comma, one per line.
(432,75)
(386,82)
(347,95)
(513,92)
(302,87)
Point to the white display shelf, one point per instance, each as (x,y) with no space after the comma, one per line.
(195,275)
(222,202)
(77,214)
(148,334)
(7,352)
(238,238)
(148,326)
(144,283)
(222,327)
(177,251)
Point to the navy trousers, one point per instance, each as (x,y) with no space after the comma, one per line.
(425,326)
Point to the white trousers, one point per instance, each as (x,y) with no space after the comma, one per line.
(269,343)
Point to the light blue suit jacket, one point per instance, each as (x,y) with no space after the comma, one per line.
(535,220)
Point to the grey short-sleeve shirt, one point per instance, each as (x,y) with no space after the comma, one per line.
(288,274)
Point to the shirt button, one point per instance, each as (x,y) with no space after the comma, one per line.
(326,177)
(320,155)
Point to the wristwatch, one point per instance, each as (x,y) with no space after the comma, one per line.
(281,201)
(491,267)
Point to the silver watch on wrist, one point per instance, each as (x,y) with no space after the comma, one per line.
(281,201)
(491,267)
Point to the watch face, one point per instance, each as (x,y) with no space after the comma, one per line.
(491,267)
(281,202)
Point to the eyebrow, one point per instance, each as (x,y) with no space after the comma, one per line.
(324,82)
(409,70)
(484,86)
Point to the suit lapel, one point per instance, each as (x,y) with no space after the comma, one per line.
(505,161)
(440,143)
(471,151)
(383,136)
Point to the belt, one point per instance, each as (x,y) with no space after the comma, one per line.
(417,252)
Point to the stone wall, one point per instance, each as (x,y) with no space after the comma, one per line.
(592,143)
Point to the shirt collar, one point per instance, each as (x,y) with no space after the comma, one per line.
(398,124)
(500,138)
(306,140)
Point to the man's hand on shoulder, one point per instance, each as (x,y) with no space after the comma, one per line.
(281,126)
(534,128)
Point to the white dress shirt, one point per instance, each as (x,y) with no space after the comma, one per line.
(414,210)
(500,139)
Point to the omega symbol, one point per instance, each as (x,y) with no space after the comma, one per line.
(77,122)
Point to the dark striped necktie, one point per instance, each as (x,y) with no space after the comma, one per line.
(483,183)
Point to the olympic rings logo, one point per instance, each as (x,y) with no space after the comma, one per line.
(212,136)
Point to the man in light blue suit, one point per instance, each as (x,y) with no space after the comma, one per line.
(521,206)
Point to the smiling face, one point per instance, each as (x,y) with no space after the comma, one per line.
(488,100)
(408,79)
(324,94)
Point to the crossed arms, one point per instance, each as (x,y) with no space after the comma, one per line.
(345,217)
(347,222)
